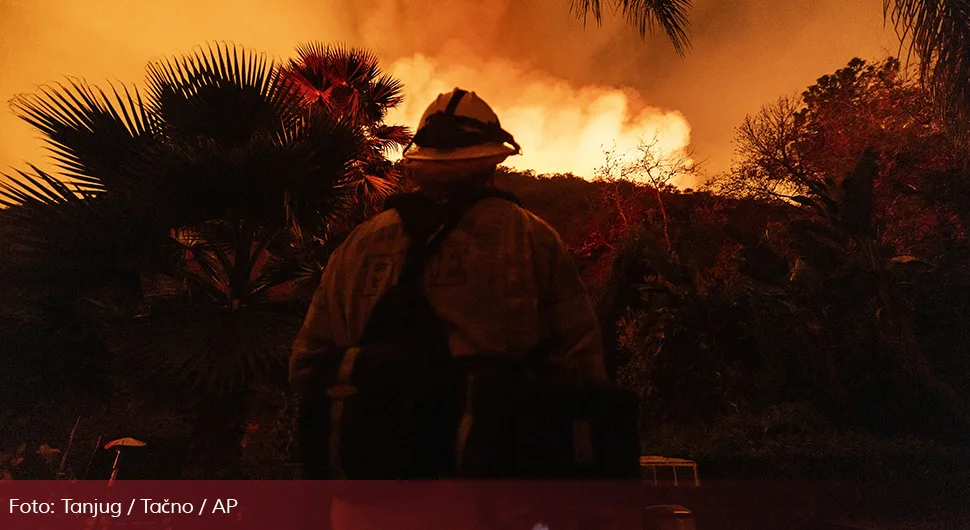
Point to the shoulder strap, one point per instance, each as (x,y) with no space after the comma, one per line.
(427,221)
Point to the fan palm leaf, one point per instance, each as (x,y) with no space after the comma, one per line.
(221,92)
(228,259)
(348,84)
(378,177)
(194,182)
(386,93)
(298,269)
(320,156)
(345,81)
(386,139)
(83,247)
(91,134)
(51,225)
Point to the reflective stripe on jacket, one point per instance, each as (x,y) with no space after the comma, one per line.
(501,282)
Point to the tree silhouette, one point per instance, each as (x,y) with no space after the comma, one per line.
(348,83)
(197,200)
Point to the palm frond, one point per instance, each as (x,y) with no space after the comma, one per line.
(282,270)
(377,177)
(222,92)
(389,137)
(91,135)
(54,234)
(939,32)
(221,145)
(319,158)
(384,182)
(213,345)
(25,189)
(387,92)
(226,259)
(646,15)
(204,180)
(309,73)
(202,267)
(346,81)
(210,350)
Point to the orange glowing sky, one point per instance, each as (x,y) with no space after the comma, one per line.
(563,90)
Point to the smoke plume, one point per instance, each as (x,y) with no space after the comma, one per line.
(564,90)
(503,51)
(562,128)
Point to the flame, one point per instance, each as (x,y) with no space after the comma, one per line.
(561,128)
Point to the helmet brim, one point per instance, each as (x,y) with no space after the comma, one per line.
(472,152)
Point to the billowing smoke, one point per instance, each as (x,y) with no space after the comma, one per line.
(563,90)
(561,127)
(493,48)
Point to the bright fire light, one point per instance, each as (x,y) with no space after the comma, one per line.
(561,128)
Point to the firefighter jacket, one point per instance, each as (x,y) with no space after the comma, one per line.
(501,282)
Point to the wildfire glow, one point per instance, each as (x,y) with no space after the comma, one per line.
(561,128)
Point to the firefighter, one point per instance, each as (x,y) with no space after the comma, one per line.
(502,280)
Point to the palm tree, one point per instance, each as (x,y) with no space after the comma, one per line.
(348,83)
(209,185)
(939,32)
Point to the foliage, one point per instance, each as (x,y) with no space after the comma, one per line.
(853,233)
(650,166)
(219,147)
(668,15)
(793,146)
(189,222)
(800,155)
(348,82)
(688,342)
(572,205)
(804,282)
(939,34)
(768,162)
(851,290)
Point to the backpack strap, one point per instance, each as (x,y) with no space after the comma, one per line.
(427,233)
(428,220)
